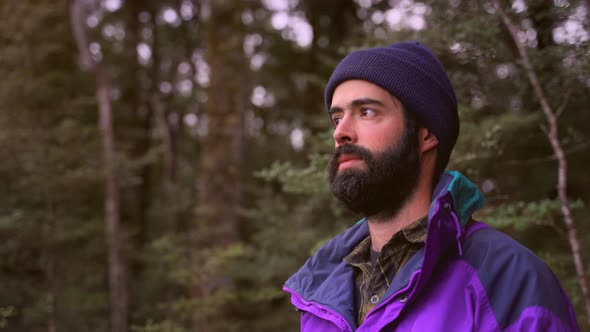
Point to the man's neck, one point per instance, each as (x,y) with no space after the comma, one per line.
(383,229)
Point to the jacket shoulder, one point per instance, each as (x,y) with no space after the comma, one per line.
(514,278)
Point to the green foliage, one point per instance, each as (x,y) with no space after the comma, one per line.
(164,326)
(523,215)
(311,179)
(5,313)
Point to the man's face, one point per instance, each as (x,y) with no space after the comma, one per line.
(375,165)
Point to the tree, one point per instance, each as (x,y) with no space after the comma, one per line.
(49,176)
(117,270)
(552,133)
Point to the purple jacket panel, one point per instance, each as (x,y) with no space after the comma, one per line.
(453,300)
(468,277)
(539,319)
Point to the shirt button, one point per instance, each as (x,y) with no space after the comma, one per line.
(374,299)
(447,206)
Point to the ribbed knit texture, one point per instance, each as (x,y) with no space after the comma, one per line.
(412,74)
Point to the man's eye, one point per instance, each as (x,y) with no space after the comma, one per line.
(368,112)
(336,120)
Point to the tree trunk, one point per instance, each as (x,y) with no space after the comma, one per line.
(219,188)
(116,267)
(553,137)
(50,265)
(158,107)
(117,280)
(137,128)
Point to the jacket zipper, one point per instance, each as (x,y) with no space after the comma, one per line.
(314,306)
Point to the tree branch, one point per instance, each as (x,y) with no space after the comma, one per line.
(575,149)
(77,14)
(553,137)
(566,99)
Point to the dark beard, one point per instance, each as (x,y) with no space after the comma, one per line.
(380,189)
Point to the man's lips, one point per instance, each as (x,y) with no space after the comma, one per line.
(347,160)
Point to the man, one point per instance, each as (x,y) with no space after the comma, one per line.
(417,261)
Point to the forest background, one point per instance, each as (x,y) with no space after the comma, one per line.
(163,162)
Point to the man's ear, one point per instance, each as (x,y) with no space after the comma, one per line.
(426,140)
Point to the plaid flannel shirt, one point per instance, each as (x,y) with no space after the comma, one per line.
(373,280)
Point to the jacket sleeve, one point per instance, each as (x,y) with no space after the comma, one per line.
(521,290)
(541,319)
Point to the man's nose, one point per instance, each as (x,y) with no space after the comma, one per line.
(345,132)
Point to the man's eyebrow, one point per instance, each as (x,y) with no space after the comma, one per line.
(334,109)
(356,103)
(365,101)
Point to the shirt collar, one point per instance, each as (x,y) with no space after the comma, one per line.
(413,233)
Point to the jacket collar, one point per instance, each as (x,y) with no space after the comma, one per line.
(465,196)
(327,280)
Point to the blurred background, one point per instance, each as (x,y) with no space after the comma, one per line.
(163,162)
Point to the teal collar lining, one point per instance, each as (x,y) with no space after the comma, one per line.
(466,197)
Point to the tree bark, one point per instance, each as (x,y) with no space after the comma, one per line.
(220,177)
(137,127)
(553,137)
(117,279)
(168,155)
(219,188)
(118,291)
(50,265)
(159,109)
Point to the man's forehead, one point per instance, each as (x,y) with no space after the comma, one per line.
(350,93)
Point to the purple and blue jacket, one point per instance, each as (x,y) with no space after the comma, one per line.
(468,277)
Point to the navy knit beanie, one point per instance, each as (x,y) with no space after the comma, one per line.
(412,74)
